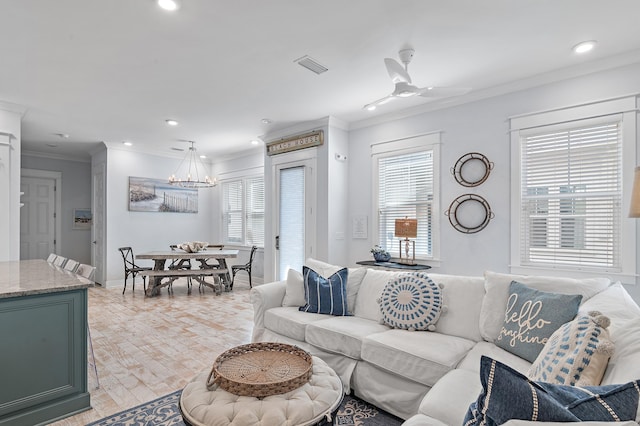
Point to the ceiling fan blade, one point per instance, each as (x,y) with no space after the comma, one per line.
(443,92)
(397,73)
(373,105)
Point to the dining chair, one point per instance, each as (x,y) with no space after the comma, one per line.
(60,261)
(130,268)
(246,267)
(52,257)
(71,265)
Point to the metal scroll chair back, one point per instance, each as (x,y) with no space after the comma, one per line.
(246,267)
(86,271)
(71,265)
(130,268)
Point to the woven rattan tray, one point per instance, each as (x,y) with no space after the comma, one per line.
(261,369)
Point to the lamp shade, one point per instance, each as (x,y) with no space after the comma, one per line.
(406,228)
(634,209)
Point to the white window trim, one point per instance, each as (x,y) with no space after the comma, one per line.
(626,107)
(429,141)
(238,175)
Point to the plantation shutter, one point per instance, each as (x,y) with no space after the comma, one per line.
(232,211)
(405,189)
(571,196)
(255,211)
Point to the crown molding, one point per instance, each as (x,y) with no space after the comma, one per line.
(54,156)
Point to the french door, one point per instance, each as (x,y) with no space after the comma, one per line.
(295,218)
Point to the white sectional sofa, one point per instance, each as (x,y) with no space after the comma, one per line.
(424,377)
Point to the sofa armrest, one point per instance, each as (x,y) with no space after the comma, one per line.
(263,298)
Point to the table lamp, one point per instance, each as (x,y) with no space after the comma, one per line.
(634,209)
(407,228)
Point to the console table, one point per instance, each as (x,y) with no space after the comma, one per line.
(43,330)
(393,265)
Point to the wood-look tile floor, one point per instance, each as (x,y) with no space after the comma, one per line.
(147,347)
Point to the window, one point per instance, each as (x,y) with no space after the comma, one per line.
(567,213)
(243,211)
(405,187)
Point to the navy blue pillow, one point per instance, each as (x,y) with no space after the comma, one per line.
(325,295)
(507,394)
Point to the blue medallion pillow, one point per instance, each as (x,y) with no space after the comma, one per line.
(411,302)
(507,394)
(325,295)
(531,318)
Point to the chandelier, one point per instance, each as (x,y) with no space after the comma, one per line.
(189,171)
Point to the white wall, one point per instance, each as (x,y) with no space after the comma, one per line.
(146,231)
(76,193)
(481,126)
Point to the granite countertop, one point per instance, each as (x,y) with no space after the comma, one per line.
(29,277)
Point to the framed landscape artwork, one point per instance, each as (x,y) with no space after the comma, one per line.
(157,195)
(82,218)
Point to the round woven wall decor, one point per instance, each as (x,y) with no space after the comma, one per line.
(469,160)
(469,228)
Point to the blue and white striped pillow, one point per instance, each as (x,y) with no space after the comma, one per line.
(325,295)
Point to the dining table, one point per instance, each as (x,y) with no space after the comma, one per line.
(219,270)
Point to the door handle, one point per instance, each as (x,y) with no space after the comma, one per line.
(277,242)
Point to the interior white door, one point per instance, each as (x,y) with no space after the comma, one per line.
(98,228)
(37,218)
(295,236)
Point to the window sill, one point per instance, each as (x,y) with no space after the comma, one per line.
(625,278)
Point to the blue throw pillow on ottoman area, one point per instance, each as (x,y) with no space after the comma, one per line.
(507,394)
(325,295)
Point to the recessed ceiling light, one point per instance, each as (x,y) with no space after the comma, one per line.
(585,46)
(127,143)
(170,5)
(171,122)
(266,121)
(203,156)
(255,142)
(371,107)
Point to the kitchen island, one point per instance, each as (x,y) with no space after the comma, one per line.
(43,343)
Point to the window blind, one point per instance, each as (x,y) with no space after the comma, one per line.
(254,215)
(571,197)
(405,189)
(232,211)
(292,220)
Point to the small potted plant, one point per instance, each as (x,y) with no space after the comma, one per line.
(380,254)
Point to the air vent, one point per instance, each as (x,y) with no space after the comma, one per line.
(311,64)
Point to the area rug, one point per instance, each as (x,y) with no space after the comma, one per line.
(164,411)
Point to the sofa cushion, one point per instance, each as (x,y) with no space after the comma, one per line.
(290,322)
(471,361)
(624,365)
(494,304)
(507,394)
(531,318)
(417,355)
(353,281)
(411,302)
(576,354)
(370,291)
(449,399)
(342,335)
(614,302)
(294,293)
(325,295)
(461,297)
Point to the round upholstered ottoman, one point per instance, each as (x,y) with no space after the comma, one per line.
(311,404)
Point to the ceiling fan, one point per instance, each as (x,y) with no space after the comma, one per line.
(403,87)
